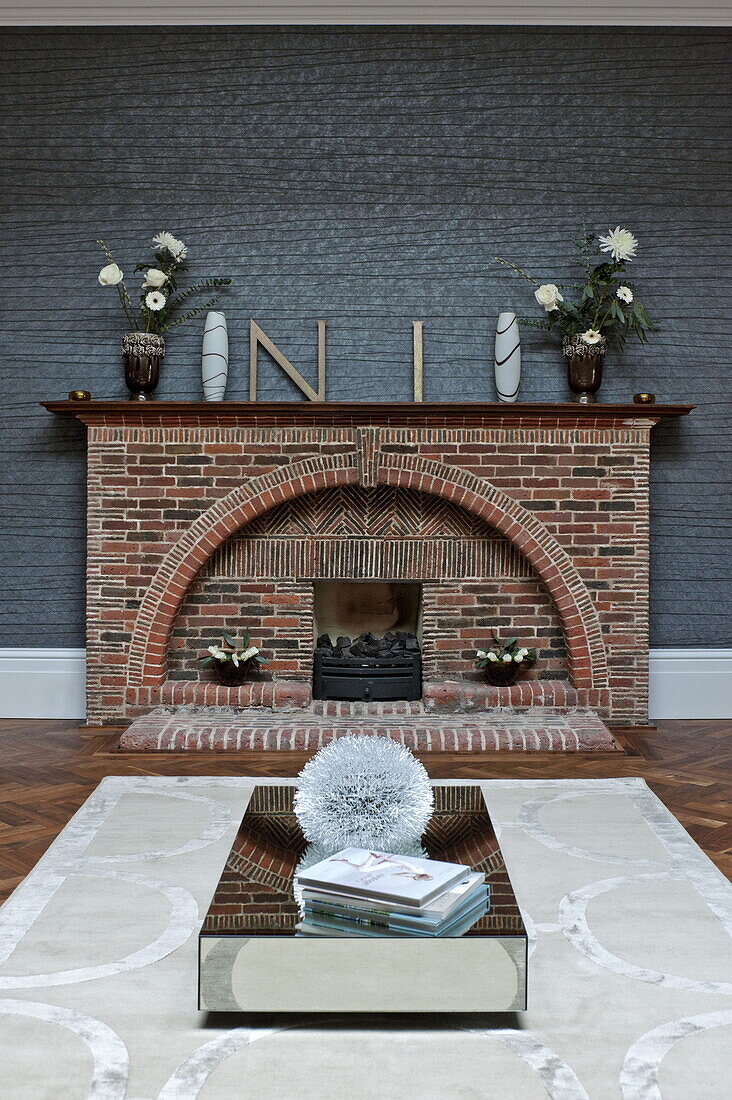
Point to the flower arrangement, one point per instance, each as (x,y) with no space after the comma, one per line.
(604,307)
(502,661)
(231,662)
(160,298)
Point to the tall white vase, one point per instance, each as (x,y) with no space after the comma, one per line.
(215,356)
(507,357)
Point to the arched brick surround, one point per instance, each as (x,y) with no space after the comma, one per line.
(371,466)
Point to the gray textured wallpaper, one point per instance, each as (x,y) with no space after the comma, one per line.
(366,177)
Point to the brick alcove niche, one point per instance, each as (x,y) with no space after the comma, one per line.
(532,519)
(472,579)
(372,465)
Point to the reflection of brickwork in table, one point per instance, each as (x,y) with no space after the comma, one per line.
(254,898)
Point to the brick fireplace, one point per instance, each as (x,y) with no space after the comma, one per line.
(530,519)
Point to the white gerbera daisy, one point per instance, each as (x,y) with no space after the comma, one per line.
(155,300)
(620,242)
(171,244)
(625,294)
(592,336)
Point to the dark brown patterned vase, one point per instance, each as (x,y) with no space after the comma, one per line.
(584,367)
(142,352)
(232,675)
(501,673)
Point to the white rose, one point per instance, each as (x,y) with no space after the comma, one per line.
(110,275)
(547,296)
(492,656)
(481,653)
(235,659)
(507,658)
(155,277)
(251,652)
(625,294)
(592,336)
(518,658)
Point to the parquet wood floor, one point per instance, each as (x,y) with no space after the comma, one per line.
(48,769)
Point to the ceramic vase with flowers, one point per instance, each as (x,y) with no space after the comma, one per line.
(602,310)
(160,304)
(502,661)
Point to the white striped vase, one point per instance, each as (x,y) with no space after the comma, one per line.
(507,358)
(215,356)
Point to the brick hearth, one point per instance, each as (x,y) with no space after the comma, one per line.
(574,731)
(532,520)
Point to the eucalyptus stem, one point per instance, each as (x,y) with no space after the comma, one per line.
(508,263)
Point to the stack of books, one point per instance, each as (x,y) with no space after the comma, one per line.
(358,892)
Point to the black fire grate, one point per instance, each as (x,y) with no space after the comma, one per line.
(368,668)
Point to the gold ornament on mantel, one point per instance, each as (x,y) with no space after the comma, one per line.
(80,395)
(644,398)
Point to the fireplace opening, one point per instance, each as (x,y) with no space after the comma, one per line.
(367,643)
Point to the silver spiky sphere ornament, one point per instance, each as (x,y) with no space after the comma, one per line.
(364,792)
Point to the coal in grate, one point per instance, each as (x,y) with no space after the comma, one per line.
(368,667)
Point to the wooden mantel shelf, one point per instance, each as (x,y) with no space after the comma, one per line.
(348,413)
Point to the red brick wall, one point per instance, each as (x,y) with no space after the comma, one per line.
(149,531)
(458,616)
(279,615)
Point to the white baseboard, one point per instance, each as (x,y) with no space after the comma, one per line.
(49,683)
(42,683)
(690,683)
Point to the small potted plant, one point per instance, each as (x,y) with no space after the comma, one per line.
(503,661)
(602,310)
(232,663)
(160,309)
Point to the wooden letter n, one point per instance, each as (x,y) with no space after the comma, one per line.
(257,336)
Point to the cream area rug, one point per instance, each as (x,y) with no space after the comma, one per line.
(630,973)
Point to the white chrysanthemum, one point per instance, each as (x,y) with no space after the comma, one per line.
(592,336)
(620,242)
(171,244)
(155,300)
(364,792)
(625,294)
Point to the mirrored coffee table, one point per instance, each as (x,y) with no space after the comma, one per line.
(252,960)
